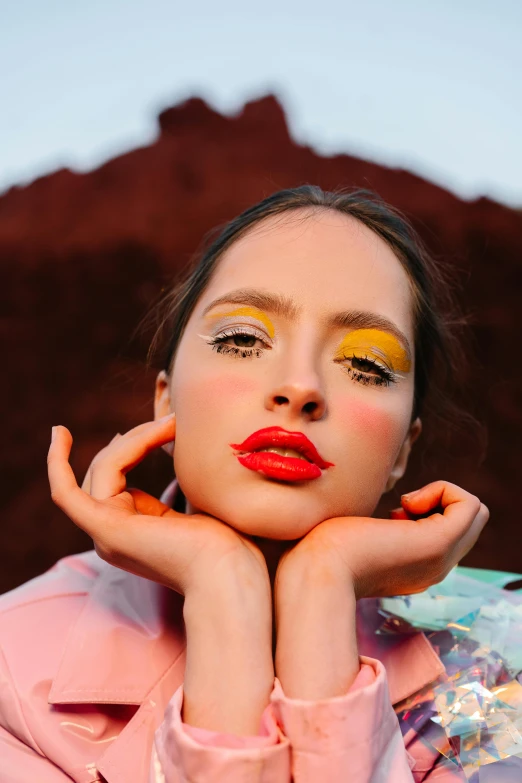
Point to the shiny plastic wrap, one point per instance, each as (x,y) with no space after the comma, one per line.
(470,718)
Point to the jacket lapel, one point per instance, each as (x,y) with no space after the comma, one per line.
(128,634)
(127,647)
(128,757)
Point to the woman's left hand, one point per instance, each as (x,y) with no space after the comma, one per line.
(436,526)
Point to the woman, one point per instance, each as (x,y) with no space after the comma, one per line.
(212,633)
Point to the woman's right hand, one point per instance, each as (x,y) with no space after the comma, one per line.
(137,532)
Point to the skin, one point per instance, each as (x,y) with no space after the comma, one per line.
(252,550)
(249,314)
(366,431)
(376,344)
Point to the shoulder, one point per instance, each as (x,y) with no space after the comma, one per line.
(36,617)
(72,575)
(35,622)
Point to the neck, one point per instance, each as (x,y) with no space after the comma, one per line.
(272,551)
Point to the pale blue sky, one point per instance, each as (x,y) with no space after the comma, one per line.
(435,87)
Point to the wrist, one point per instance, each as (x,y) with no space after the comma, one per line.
(235,594)
(235,577)
(229,670)
(231,631)
(303,567)
(316,652)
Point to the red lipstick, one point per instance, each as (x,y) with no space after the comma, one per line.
(255,456)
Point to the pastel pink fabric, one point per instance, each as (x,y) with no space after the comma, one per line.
(92,661)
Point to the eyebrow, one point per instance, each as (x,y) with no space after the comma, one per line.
(282,306)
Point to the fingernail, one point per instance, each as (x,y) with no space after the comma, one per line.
(396,510)
(410,495)
(169,448)
(167,417)
(53,433)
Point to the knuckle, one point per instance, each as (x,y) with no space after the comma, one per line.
(109,544)
(106,551)
(473,505)
(443,573)
(443,561)
(447,562)
(56,497)
(476,502)
(444,542)
(442,565)
(435,573)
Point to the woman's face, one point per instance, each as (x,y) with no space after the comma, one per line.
(314,334)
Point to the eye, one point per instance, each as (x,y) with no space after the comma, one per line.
(366,365)
(239,342)
(244,340)
(367,371)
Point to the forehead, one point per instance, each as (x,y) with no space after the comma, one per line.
(324,260)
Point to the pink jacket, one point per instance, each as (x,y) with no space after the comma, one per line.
(92,661)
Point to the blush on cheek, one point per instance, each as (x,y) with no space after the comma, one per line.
(233,386)
(220,390)
(370,424)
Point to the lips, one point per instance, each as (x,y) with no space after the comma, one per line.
(254,455)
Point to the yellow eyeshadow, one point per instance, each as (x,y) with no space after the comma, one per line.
(375,344)
(249,312)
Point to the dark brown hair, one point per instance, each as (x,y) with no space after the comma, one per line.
(440,357)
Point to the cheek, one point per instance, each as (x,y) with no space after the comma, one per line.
(208,409)
(215,393)
(371,426)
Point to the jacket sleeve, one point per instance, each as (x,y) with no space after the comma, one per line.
(21,764)
(186,754)
(351,737)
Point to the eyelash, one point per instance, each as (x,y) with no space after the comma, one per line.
(218,344)
(385,377)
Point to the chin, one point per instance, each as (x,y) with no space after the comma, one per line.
(279,529)
(272,510)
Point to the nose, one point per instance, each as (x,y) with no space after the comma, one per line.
(299,394)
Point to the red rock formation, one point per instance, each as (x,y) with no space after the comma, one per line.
(84,255)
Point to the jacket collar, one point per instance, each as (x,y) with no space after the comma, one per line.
(130,635)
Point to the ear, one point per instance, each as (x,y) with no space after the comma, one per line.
(401,462)
(162,404)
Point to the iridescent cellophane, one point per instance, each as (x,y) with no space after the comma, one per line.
(471,716)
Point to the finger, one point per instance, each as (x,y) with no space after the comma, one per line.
(86,486)
(80,507)
(149,505)
(139,428)
(399,513)
(438,493)
(469,539)
(109,469)
(169,448)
